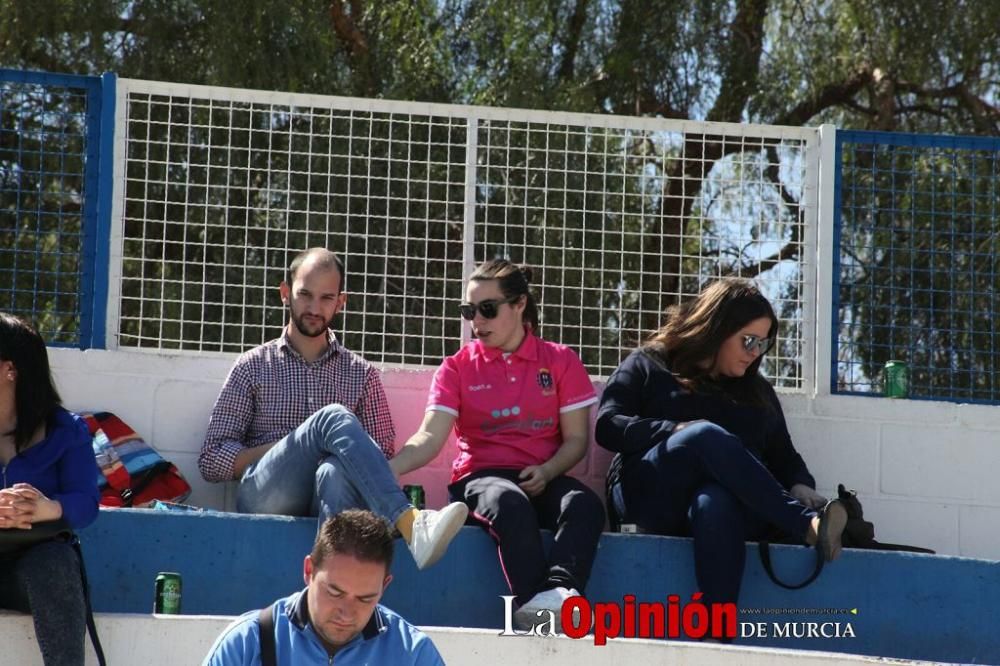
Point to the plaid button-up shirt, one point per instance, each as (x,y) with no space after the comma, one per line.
(271,390)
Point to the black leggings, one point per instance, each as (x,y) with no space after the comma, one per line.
(513,519)
(45,580)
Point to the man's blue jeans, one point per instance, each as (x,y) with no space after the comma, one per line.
(326,465)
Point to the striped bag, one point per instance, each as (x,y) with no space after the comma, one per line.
(132,473)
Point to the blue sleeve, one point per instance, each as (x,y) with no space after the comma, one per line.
(425,653)
(78,474)
(238,645)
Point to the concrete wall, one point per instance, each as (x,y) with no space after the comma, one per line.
(924,470)
(173,640)
(896,604)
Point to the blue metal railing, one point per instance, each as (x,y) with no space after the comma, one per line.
(55,191)
(917,248)
(917,239)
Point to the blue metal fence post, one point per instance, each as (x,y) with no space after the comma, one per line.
(102,255)
(96,211)
(91,184)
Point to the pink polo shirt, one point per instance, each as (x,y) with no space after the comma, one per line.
(507,409)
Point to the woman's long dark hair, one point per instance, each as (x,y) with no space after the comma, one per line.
(689,340)
(35,398)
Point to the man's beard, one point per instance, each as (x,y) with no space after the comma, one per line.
(301,326)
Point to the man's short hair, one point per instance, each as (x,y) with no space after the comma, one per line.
(321,257)
(355,532)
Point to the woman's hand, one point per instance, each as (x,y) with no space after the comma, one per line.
(684,424)
(22,504)
(808,496)
(424,445)
(535,478)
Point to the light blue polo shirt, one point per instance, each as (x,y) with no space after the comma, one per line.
(386,639)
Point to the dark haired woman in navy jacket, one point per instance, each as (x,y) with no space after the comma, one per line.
(701,442)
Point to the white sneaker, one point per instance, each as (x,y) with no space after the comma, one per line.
(532,613)
(434,530)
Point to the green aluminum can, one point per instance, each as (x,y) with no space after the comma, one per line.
(416,495)
(896,379)
(167,599)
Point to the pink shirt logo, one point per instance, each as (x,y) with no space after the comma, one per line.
(544,379)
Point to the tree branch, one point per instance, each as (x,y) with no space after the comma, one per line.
(984,115)
(883,93)
(649,105)
(794,244)
(346,29)
(789,251)
(572,42)
(923,108)
(740,62)
(834,94)
(859,107)
(948,91)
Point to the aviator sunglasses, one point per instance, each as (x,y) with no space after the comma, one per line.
(754,342)
(486,308)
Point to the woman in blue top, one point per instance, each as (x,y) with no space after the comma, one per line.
(48,473)
(701,442)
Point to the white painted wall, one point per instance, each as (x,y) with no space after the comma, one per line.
(924,470)
(186,639)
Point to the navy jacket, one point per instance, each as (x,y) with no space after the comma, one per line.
(643,402)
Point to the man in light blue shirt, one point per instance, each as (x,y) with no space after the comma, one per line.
(337,617)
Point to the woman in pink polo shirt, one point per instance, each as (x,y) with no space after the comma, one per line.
(520,407)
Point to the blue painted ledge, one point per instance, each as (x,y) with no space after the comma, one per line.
(908,606)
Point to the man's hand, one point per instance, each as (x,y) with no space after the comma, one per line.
(534,479)
(808,496)
(22,504)
(247,457)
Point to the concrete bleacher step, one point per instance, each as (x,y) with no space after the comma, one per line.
(185,639)
(898,605)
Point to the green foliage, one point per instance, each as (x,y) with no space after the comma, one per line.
(895,65)
(665,57)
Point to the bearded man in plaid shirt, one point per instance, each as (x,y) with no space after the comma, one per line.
(304,426)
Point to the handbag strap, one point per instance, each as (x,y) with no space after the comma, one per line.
(91,625)
(268,654)
(765,560)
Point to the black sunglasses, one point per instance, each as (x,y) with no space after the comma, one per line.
(486,308)
(762,345)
